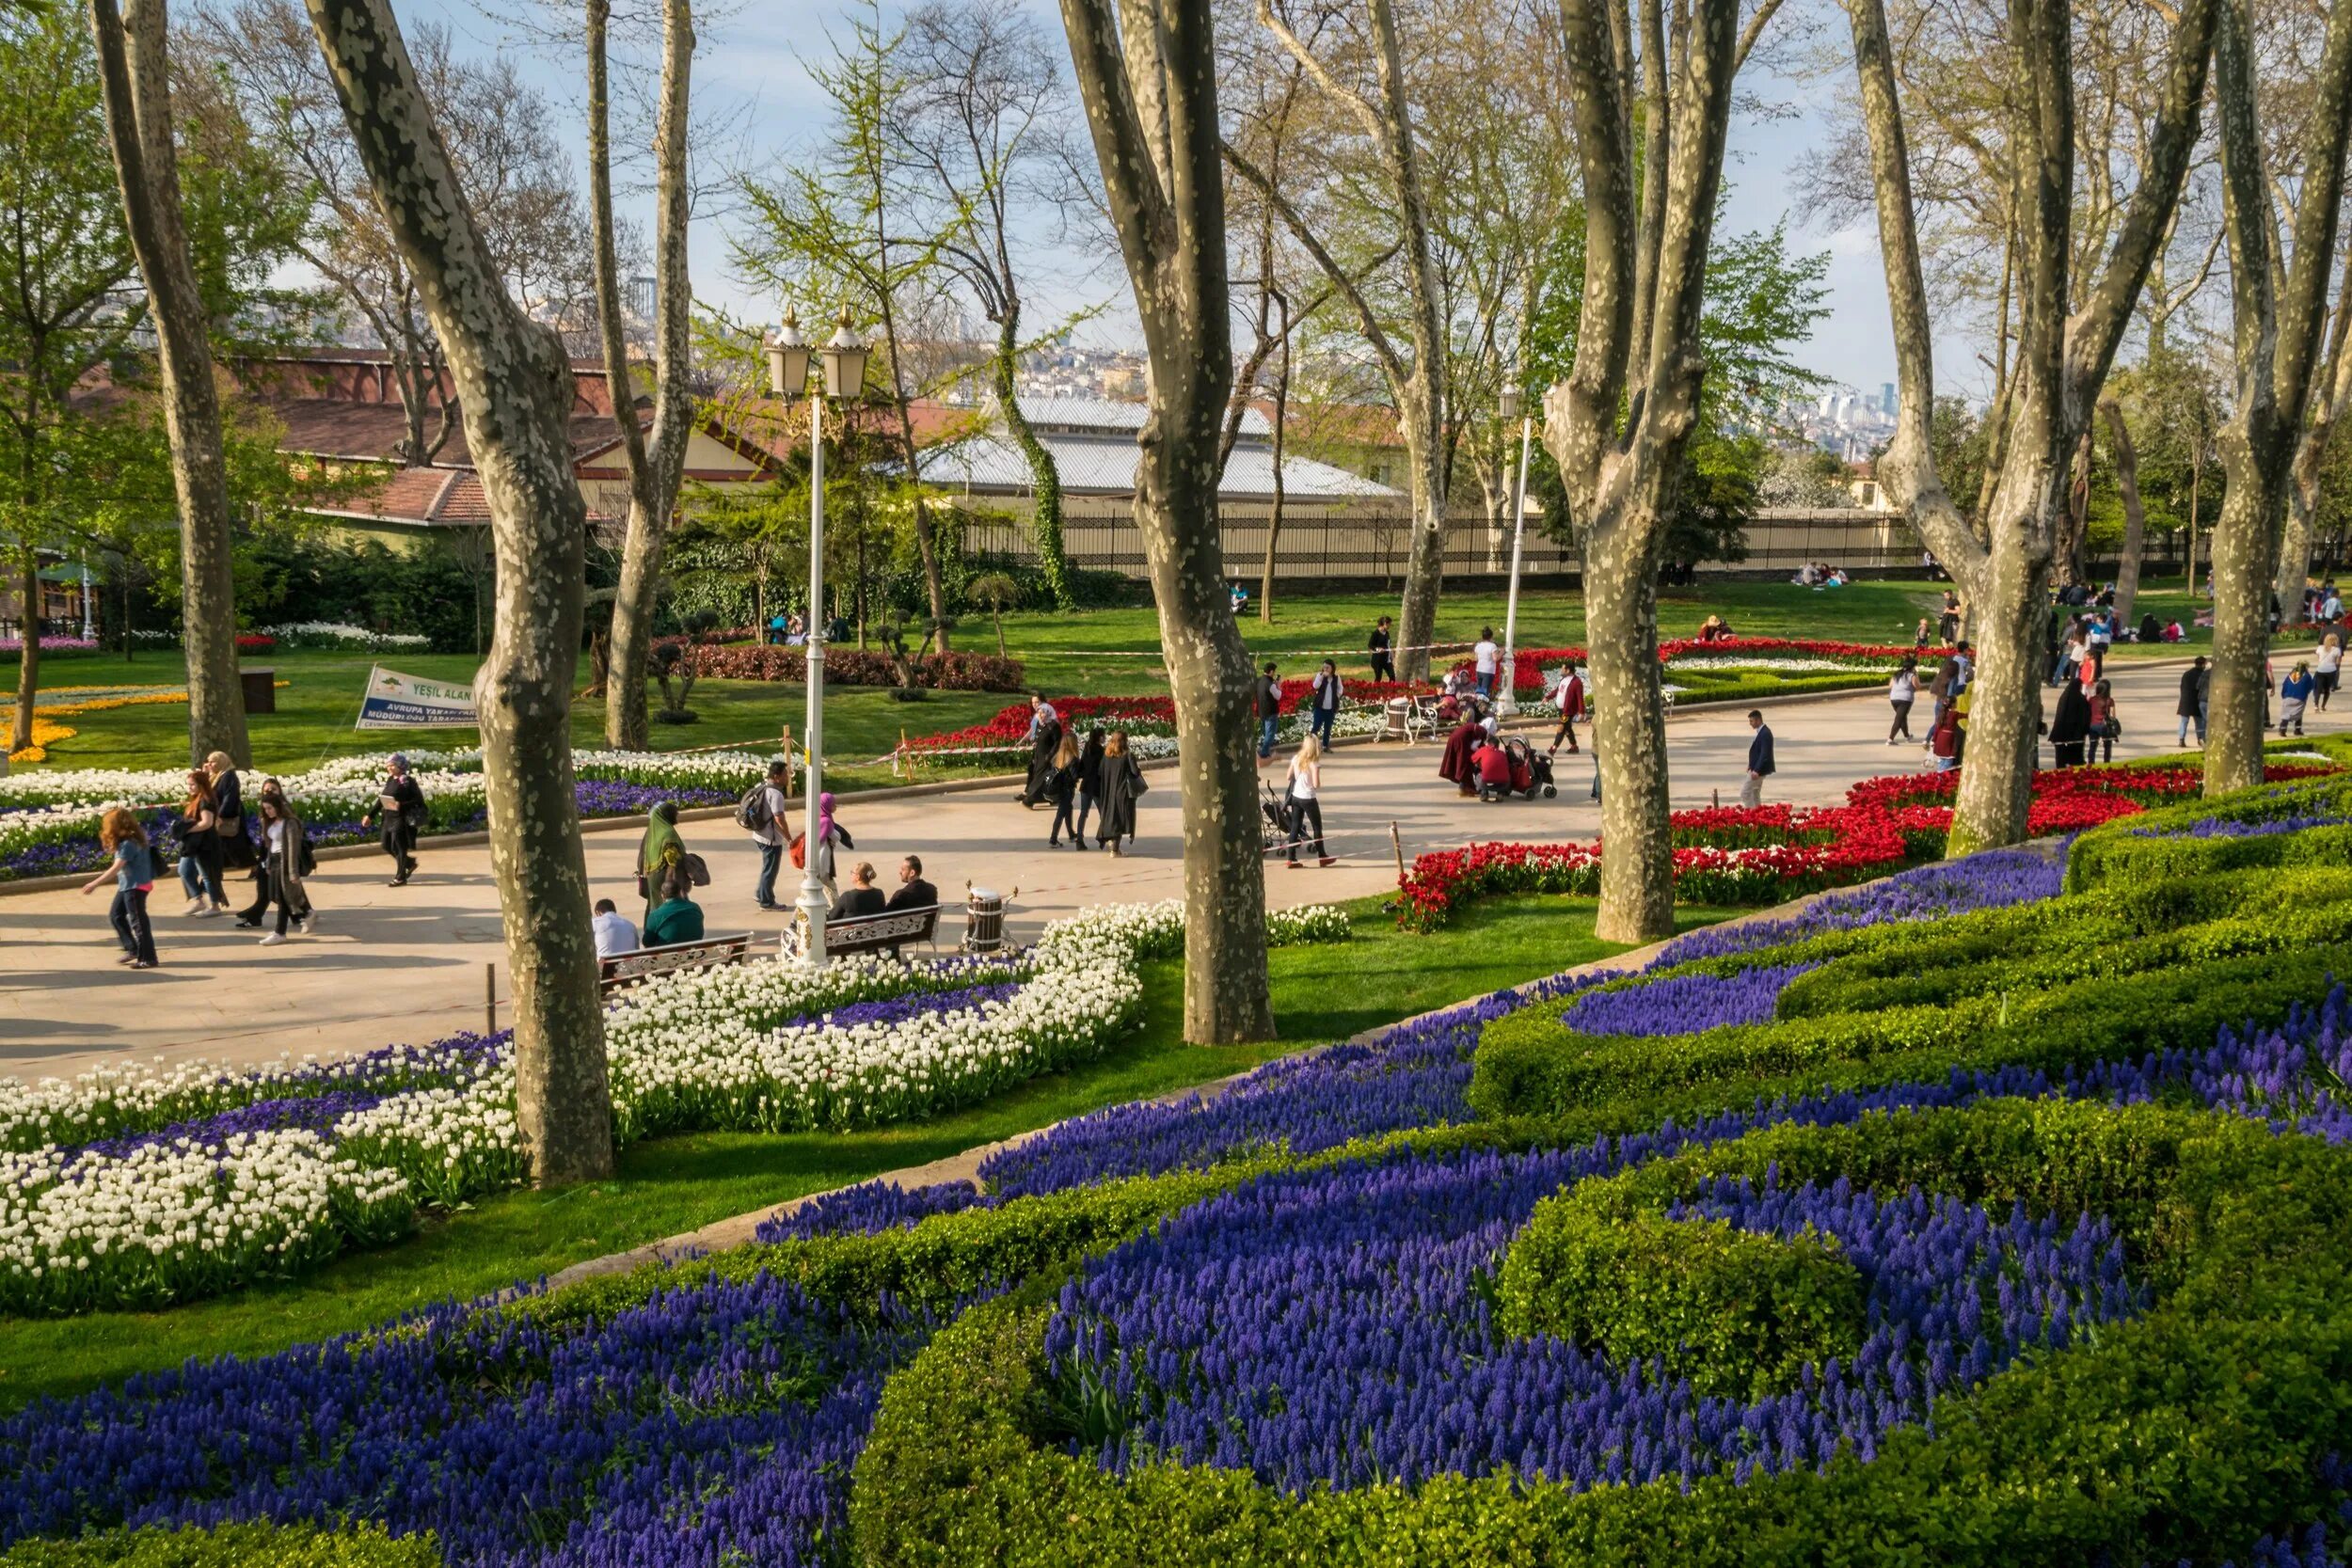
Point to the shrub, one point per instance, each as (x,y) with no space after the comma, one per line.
(246,1545)
(1736,1312)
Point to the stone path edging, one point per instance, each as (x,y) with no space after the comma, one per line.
(738,1231)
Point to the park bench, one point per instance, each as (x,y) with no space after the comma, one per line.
(644,963)
(888,931)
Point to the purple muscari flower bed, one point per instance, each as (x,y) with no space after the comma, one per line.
(1684,1003)
(868,1207)
(314,1112)
(897,1009)
(2223,827)
(715,1422)
(1326,1328)
(1993,879)
(620,798)
(1412,1075)
(2295,1076)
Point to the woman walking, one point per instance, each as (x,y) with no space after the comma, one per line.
(133,873)
(2070,725)
(2105,727)
(1901,694)
(236,847)
(1089,772)
(2293,693)
(198,828)
(1062,786)
(1122,782)
(2325,671)
(830,836)
(283,847)
(660,850)
(1323,711)
(1304,793)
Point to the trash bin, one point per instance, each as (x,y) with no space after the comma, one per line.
(260,690)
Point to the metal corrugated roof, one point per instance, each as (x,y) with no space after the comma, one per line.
(992,465)
(1086,415)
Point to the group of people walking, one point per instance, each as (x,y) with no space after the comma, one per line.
(213,834)
(1100,779)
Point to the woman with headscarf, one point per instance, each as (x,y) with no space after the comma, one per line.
(1122,782)
(2070,725)
(830,836)
(1089,782)
(660,850)
(1044,740)
(199,832)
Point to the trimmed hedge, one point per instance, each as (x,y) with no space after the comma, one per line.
(249,1545)
(2149,1441)
(1737,1313)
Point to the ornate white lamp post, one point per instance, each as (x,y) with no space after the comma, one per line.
(845,378)
(1506,696)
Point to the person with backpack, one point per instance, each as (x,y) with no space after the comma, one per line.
(762,812)
(401,805)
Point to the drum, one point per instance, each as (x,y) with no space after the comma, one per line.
(983,921)
(1400,711)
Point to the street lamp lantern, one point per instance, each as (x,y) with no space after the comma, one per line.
(844,363)
(1510,404)
(788,360)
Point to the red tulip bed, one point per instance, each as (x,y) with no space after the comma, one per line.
(1529,664)
(1138,716)
(1735,856)
(953,670)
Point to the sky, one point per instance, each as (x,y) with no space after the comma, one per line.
(754,65)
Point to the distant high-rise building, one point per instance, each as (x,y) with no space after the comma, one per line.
(1886,399)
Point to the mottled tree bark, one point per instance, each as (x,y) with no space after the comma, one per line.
(1645,294)
(656,464)
(1415,371)
(515,382)
(134,74)
(2135,513)
(2003,563)
(29,656)
(1149,79)
(2278,310)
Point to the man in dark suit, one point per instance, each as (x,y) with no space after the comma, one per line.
(913,891)
(860,897)
(1759,760)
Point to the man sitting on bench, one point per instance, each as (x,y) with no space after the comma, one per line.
(913,891)
(860,897)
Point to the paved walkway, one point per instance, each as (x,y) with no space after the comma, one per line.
(407,964)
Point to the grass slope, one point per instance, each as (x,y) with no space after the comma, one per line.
(675,1185)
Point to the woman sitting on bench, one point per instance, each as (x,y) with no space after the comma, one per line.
(861,897)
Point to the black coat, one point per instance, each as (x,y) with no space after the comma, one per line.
(2072,722)
(2192,693)
(856,901)
(916,894)
(1120,777)
(1760,751)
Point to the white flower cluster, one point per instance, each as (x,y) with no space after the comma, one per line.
(335,634)
(166,1223)
(761,1046)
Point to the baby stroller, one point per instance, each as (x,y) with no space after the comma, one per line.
(1530,774)
(1274,833)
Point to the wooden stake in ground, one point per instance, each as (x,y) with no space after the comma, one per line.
(134,72)
(1148,78)
(515,382)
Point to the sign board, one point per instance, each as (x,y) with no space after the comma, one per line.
(398,702)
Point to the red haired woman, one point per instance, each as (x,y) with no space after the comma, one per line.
(133,873)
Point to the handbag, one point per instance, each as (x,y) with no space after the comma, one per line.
(800,852)
(697,872)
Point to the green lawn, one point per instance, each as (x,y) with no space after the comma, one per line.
(1103,652)
(675,1185)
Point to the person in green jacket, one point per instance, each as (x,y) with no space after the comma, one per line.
(677,917)
(658,853)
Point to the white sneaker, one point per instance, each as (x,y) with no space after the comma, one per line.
(196,906)
(302,927)
(272,940)
(208,911)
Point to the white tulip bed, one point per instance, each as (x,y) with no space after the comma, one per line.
(137,1187)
